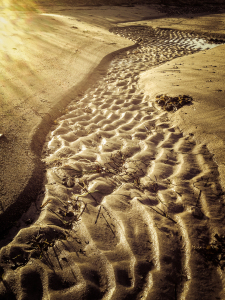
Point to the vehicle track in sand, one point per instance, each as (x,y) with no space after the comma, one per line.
(125,199)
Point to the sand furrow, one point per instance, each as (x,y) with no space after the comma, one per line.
(126,196)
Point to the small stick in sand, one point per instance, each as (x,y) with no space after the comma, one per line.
(98,214)
(163,214)
(48,201)
(57,257)
(198,198)
(108,225)
(85,205)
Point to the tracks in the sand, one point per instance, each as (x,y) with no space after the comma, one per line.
(126,197)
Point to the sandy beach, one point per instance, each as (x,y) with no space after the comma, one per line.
(105,194)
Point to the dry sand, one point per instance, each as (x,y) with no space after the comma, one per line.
(201,76)
(47,59)
(132,198)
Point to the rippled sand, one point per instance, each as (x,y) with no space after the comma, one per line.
(126,199)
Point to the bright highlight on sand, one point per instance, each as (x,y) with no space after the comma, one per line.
(128,201)
(24,37)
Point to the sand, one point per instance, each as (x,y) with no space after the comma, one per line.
(201,76)
(132,199)
(51,58)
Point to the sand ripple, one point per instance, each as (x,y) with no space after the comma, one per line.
(126,196)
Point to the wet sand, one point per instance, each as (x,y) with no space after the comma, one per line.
(128,196)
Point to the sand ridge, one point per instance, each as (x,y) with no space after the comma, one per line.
(201,75)
(38,84)
(35,88)
(126,197)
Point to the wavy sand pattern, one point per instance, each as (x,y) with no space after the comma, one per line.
(126,197)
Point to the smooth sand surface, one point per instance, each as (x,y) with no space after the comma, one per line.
(131,206)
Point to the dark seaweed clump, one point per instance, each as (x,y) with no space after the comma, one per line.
(173,103)
(214,252)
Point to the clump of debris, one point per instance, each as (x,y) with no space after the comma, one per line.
(173,103)
(214,252)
